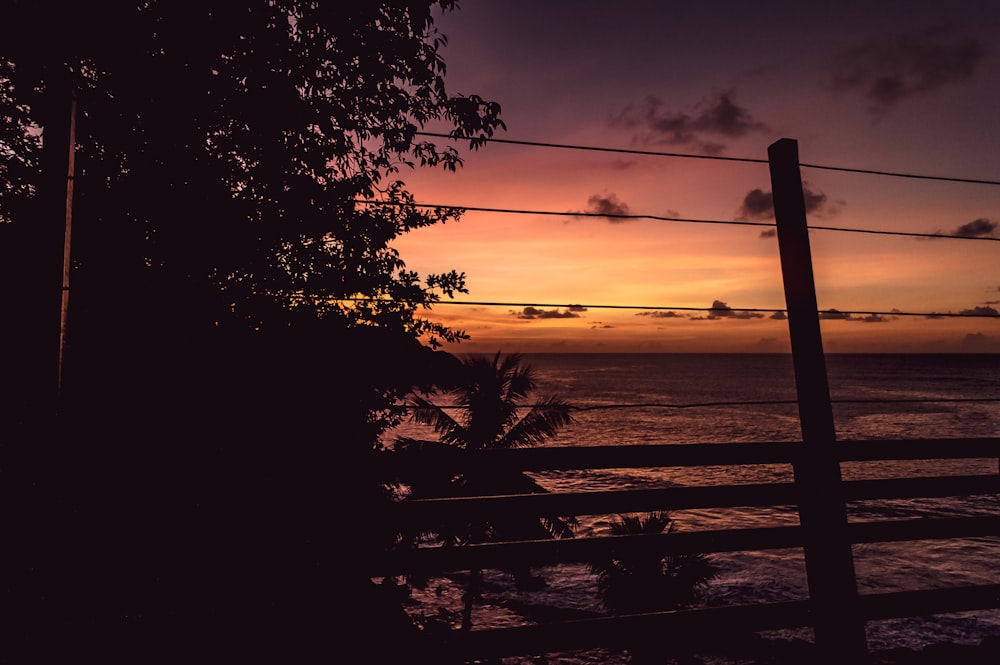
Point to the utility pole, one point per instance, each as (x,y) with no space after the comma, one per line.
(840,630)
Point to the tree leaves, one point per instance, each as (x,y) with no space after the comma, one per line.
(233,135)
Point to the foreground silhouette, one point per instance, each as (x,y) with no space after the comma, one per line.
(651,580)
(486,410)
(238,325)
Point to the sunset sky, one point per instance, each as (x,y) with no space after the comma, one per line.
(907,87)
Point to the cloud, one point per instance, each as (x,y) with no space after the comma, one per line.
(721,310)
(835,314)
(977,228)
(717,115)
(873,318)
(974,342)
(779,316)
(769,343)
(661,314)
(610,206)
(888,71)
(984,310)
(535,313)
(980,311)
(758,205)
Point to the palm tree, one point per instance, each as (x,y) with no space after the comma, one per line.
(490,412)
(490,396)
(649,579)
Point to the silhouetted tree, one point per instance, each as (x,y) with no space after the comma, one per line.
(648,579)
(490,412)
(221,152)
(239,323)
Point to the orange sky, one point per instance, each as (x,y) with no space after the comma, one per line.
(858,94)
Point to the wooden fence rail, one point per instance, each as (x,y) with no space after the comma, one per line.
(689,627)
(618,630)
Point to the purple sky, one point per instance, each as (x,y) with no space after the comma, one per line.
(896,86)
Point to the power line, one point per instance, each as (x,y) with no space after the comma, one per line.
(481,303)
(515,211)
(722,312)
(903,233)
(695,405)
(539,144)
(673,405)
(625,151)
(974,181)
(784,402)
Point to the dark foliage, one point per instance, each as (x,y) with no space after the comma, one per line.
(650,580)
(487,408)
(221,149)
(238,322)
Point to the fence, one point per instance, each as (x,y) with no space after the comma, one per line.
(624,630)
(835,610)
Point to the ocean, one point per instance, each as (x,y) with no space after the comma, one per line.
(640,399)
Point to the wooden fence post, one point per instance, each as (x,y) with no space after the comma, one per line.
(839,628)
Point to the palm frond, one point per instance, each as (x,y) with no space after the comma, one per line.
(650,523)
(542,422)
(518,378)
(491,397)
(425,412)
(560,527)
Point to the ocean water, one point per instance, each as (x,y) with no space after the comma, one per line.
(638,399)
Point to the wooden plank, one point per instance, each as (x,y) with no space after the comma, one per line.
(561,458)
(829,562)
(501,555)
(929,601)
(913,449)
(424,511)
(931,486)
(923,528)
(432,560)
(707,627)
(669,630)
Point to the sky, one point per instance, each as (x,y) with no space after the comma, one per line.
(898,87)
